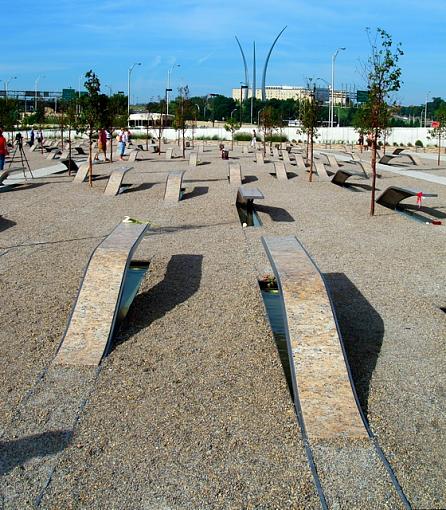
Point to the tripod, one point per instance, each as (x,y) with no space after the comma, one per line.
(23,159)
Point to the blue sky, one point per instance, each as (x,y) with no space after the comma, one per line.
(62,39)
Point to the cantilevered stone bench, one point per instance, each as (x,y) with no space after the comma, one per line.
(285,156)
(280,171)
(133,156)
(260,159)
(275,153)
(169,153)
(172,193)
(80,150)
(90,327)
(321,171)
(234,174)
(387,158)
(341,176)
(299,161)
(323,394)
(332,161)
(393,195)
(115,180)
(81,174)
(193,159)
(246,197)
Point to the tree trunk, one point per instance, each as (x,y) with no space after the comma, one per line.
(69,149)
(147,134)
(308,141)
(310,133)
(373,164)
(439,148)
(90,159)
(111,145)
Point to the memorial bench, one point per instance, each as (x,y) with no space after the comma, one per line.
(280,171)
(114,183)
(235,174)
(91,323)
(323,393)
(173,190)
(393,195)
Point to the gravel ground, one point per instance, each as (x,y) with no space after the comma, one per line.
(191,409)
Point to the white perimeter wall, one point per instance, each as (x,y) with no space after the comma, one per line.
(336,134)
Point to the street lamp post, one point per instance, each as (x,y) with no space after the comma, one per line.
(425,109)
(258,116)
(7,83)
(35,90)
(329,93)
(333,60)
(169,72)
(242,86)
(235,109)
(109,90)
(128,87)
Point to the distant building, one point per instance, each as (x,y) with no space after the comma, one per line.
(284,92)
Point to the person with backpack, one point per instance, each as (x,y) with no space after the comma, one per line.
(3,149)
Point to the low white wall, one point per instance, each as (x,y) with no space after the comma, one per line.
(325,135)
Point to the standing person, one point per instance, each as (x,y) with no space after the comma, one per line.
(31,137)
(122,139)
(254,138)
(3,149)
(102,144)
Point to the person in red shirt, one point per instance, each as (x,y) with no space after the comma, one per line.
(102,143)
(3,149)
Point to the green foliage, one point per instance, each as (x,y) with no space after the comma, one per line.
(8,113)
(419,143)
(276,138)
(439,132)
(242,136)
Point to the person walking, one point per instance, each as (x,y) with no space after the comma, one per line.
(102,144)
(122,139)
(3,149)
(254,139)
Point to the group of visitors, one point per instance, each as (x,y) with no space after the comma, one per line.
(122,137)
(367,143)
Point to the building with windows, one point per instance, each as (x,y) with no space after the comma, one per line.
(283,92)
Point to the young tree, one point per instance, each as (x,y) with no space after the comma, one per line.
(70,109)
(183,113)
(309,117)
(383,78)
(438,130)
(232,126)
(92,113)
(270,120)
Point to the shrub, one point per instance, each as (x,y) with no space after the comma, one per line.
(401,144)
(419,143)
(409,144)
(216,137)
(242,136)
(395,144)
(276,138)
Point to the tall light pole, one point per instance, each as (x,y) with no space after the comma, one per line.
(329,91)
(258,116)
(169,72)
(333,60)
(7,83)
(128,87)
(109,90)
(425,109)
(242,86)
(35,90)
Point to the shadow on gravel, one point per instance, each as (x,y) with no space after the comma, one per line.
(198,191)
(141,187)
(362,331)
(15,453)
(275,213)
(250,178)
(181,281)
(5,224)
